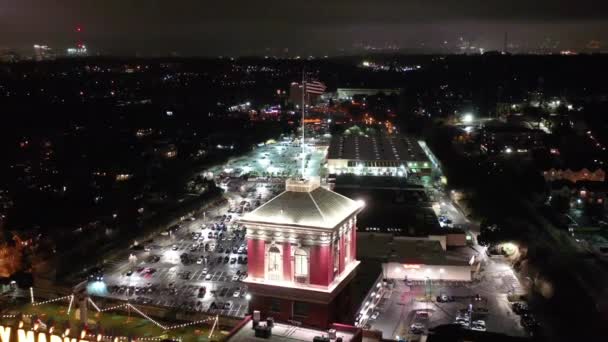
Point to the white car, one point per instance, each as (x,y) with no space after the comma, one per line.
(205,270)
(208,276)
(236,294)
(235,277)
(199,261)
(478,327)
(375,315)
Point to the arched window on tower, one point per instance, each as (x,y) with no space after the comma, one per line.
(274,263)
(301,266)
(347,248)
(336,256)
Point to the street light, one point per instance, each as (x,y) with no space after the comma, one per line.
(467,118)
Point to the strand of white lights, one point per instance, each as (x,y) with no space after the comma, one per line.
(147,317)
(94,305)
(217,319)
(191,323)
(52,300)
(111,338)
(32,294)
(70,305)
(114,307)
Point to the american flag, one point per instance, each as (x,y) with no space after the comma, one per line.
(314,87)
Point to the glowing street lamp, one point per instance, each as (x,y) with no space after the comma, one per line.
(467,118)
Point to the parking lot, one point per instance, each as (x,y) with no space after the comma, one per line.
(198,265)
(281,159)
(405,311)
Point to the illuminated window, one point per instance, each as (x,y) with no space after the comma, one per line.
(346,248)
(274,263)
(336,257)
(301,265)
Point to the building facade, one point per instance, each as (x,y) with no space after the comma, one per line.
(302,254)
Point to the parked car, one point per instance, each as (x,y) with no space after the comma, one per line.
(528,321)
(520,308)
(443,298)
(417,328)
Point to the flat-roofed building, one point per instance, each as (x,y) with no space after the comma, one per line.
(381,155)
(349,93)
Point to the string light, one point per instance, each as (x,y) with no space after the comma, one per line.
(120,306)
(147,317)
(94,305)
(191,323)
(70,305)
(52,300)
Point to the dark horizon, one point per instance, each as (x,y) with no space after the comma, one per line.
(192,28)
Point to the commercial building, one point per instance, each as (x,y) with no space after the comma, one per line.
(382,155)
(43,53)
(415,258)
(349,93)
(399,233)
(302,254)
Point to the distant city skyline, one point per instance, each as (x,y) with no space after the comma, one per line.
(317,28)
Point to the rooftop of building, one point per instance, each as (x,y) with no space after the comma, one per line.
(305,204)
(495,126)
(288,333)
(405,250)
(580,185)
(375,182)
(404,211)
(396,148)
(455,332)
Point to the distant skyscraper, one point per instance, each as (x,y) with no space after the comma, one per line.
(79,51)
(42,53)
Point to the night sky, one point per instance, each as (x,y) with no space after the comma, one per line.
(205,27)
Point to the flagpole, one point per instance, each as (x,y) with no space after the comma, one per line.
(303,109)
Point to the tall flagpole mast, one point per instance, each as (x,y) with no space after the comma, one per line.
(303,110)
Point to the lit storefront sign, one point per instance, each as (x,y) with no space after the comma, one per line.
(8,334)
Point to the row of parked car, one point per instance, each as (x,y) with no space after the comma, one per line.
(527,319)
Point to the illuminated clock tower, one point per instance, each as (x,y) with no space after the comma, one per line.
(301,250)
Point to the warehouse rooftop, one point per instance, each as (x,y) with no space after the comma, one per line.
(394,148)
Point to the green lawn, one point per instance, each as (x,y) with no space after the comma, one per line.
(115,323)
